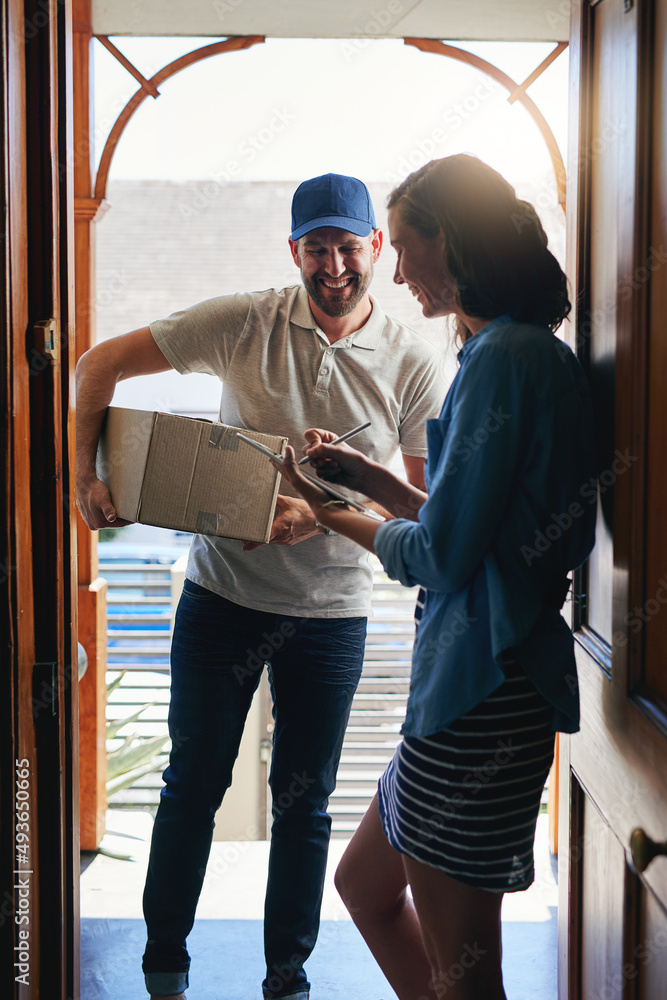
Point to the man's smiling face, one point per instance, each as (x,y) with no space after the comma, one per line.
(336,267)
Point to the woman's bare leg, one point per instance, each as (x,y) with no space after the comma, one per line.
(372,882)
(462,932)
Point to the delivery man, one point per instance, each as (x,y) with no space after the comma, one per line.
(317,354)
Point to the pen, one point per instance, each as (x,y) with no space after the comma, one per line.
(343,437)
(313,479)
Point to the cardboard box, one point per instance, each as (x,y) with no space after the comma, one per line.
(193,475)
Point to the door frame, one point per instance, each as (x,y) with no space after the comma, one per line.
(40,850)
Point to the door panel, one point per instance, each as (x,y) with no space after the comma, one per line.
(651,952)
(602,931)
(653,613)
(616,767)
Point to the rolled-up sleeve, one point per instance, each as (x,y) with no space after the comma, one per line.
(388,545)
(474,450)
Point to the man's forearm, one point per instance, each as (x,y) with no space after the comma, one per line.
(95,385)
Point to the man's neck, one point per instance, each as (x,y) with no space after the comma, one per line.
(337,327)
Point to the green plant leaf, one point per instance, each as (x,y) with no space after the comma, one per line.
(115,725)
(129,756)
(112,685)
(112,854)
(125,780)
(127,742)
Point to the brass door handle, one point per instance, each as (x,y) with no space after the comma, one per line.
(643,849)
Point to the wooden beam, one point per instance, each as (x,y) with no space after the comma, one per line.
(90,209)
(553,792)
(17,623)
(462,55)
(189,59)
(537,72)
(92,709)
(145,84)
(91,588)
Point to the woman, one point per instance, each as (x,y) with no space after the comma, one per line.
(510,510)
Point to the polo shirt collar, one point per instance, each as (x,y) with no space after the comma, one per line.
(368,337)
(301,314)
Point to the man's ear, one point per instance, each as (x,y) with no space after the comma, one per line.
(294,247)
(376,243)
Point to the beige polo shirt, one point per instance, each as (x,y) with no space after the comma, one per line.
(281,375)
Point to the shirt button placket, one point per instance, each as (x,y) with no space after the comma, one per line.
(326,368)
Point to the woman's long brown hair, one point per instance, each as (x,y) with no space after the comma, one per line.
(495,247)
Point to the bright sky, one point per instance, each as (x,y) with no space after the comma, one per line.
(293,108)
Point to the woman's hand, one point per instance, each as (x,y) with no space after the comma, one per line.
(312,494)
(331,514)
(337,463)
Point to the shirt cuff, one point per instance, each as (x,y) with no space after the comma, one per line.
(388,545)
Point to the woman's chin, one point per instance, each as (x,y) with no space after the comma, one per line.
(431,310)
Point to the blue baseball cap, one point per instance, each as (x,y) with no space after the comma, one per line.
(332,200)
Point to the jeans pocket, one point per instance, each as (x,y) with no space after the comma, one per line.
(192,589)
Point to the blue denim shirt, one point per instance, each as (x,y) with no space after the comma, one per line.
(511,476)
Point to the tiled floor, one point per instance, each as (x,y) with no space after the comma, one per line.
(226,943)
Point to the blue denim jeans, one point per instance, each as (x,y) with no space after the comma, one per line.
(218,652)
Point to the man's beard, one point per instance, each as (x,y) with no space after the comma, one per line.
(343,306)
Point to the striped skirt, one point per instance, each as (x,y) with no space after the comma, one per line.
(466,800)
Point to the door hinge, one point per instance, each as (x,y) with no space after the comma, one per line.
(47,339)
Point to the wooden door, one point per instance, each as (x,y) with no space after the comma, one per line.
(613,918)
(39,858)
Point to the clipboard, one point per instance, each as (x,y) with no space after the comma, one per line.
(333,493)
